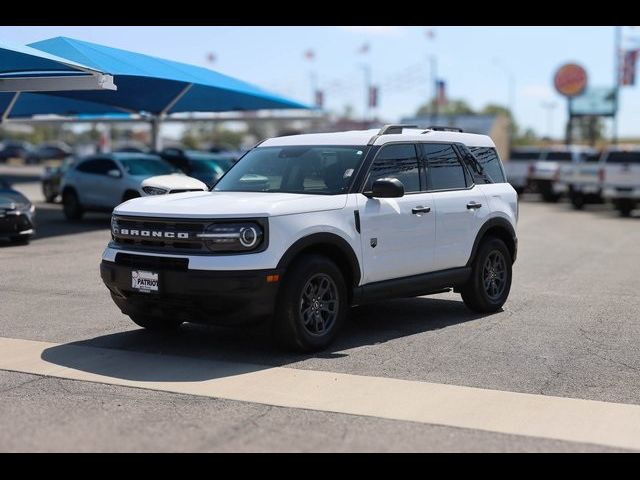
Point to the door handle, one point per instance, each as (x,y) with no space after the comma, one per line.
(420,209)
(473,205)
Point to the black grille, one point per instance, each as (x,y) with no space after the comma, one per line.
(145,261)
(187,245)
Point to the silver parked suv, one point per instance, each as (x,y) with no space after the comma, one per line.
(101,182)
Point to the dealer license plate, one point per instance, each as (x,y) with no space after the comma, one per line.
(144,281)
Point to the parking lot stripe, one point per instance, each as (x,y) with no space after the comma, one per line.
(570,419)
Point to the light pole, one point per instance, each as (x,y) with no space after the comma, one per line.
(511,96)
(367,91)
(549,107)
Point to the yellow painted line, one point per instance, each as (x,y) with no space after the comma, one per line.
(570,419)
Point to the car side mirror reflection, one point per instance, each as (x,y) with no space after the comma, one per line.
(386,188)
(115,173)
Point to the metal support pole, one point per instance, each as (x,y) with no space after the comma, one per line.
(7,111)
(367,91)
(569,135)
(156,139)
(434,84)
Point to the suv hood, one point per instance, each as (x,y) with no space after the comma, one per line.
(229,204)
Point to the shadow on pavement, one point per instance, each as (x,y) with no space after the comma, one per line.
(51,222)
(199,352)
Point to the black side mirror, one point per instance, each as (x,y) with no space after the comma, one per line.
(386,188)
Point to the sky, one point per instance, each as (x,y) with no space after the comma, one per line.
(477,63)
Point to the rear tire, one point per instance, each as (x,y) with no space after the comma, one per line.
(49,195)
(72,208)
(488,287)
(312,305)
(157,324)
(577,200)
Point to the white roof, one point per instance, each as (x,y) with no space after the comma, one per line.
(363,137)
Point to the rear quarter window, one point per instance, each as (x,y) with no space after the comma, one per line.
(490,161)
(623,157)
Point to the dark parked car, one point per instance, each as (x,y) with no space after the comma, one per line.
(205,166)
(51,179)
(49,151)
(17,214)
(13,149)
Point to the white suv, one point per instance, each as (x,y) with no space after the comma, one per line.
(305,226)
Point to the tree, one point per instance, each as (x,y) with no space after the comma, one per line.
(452,107)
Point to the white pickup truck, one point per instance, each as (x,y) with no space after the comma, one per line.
(545,176)
(519,166)
(620,176)
(580,179)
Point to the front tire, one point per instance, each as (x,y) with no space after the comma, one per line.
(20,239)
(157,324)
(625,208)
(71,204)
(312,305)
(49,194)
(488,287)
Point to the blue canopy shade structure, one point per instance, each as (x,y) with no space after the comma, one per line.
(157,86)
(26,69)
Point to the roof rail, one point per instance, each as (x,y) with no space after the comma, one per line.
(445,129)
(389,130)
(397,128)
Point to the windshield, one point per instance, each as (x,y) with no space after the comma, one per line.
(528,155)
(623,157)
(321,170)
(211,166)
(146,166)
(559,156)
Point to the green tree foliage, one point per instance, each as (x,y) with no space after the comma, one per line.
(452,107)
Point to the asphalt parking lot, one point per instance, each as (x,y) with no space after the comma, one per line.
(570,329)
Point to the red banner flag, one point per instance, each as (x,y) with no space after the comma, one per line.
(309,54)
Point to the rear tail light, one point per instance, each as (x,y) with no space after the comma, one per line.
(601,175)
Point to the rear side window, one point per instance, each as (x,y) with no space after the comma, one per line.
(396,161)
(623,157)
(488,158)
(98,166)
(444,170)
(523,156)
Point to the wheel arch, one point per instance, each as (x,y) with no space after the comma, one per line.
(130,193)
(330,245)
(496,227)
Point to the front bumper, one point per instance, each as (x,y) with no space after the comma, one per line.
(616,193)
(14,223)
(201,296)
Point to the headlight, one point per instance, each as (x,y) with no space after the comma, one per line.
(233,237)
(154,190)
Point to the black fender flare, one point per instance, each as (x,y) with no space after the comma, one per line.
(495,222)
(320,239)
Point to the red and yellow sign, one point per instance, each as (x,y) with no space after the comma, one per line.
(570,80)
